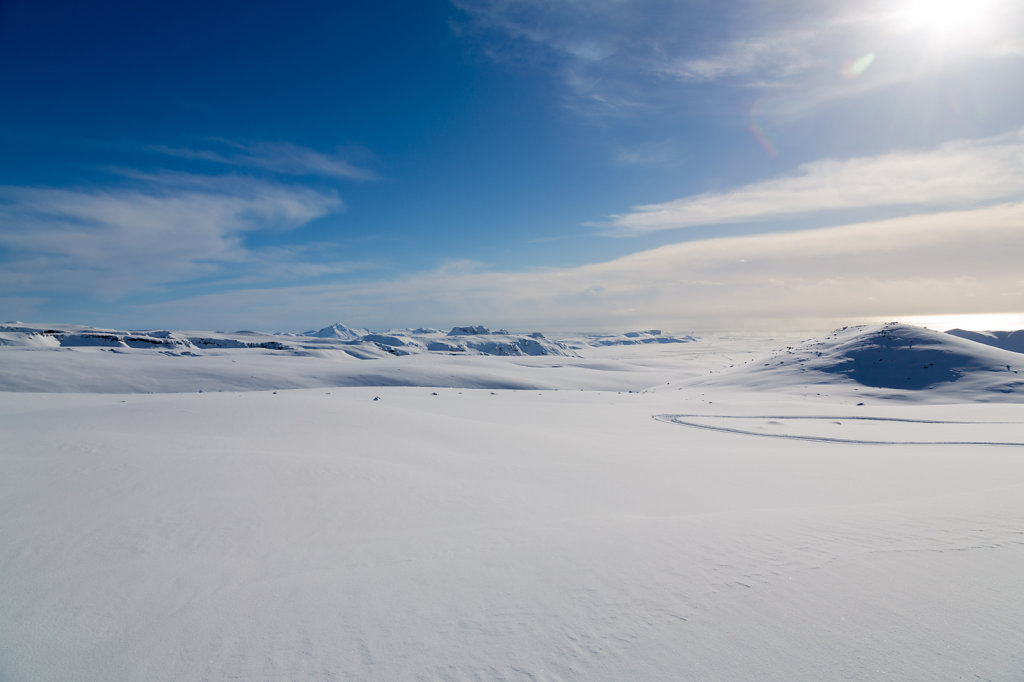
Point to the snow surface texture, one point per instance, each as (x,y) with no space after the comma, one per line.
(802,526)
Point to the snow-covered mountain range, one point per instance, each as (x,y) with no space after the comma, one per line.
(890,359)
(75,358)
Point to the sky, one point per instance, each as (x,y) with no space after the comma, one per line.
(529,164)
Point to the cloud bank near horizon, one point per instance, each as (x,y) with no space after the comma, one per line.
(947,262)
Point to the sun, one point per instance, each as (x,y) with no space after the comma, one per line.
(946,18)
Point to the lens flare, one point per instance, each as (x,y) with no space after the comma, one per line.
(854,68)
(759,134)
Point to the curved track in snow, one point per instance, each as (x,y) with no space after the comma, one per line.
(684,420)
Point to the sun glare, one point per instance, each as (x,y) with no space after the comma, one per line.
(971,321)
(946,18)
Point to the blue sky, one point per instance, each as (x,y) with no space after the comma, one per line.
(527,164)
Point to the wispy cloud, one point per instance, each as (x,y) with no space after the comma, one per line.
(278,157)
(601,50)
(648,154)
(957,174)
(758,58)
(965,261)
(619,56)
(109,242)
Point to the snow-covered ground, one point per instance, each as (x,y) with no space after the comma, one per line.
(707,508)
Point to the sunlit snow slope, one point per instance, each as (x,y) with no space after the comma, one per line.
(894,360)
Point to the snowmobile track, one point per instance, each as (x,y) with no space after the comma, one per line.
(683,420)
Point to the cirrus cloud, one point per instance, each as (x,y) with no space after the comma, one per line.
(617,57)
(961,173)
(278,157)
(166,228)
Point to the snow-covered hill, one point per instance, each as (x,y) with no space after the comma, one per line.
(1012,341)
(337,331)
(894,358)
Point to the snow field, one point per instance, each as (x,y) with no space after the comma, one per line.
(498,534)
